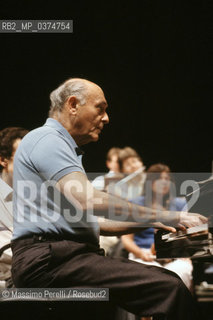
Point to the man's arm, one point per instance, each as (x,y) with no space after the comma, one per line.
(79,191)
(118,228)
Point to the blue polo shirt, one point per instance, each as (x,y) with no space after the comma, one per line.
(44,156)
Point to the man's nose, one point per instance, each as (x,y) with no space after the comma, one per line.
(105,118)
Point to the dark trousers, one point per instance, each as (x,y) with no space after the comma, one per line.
(140,289)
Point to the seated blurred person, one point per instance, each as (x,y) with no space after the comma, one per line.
(112,165)
(131,165)
(107,243)
(127,186)
(9,141)
(158,194)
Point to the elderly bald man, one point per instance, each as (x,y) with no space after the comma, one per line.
(55,241)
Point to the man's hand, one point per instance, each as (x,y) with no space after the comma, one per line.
(187,220)
(159,225)
(191,220)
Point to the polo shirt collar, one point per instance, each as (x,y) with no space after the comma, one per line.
(58,126)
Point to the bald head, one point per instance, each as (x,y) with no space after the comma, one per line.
(80,88)
(80,106)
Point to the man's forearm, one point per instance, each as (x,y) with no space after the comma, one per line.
(79,191)
(115,208)
(118,228)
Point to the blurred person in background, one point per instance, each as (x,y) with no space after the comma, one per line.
(129,160)
(108,243)
(124,161)
(112,165)
(158,195)
(9,142)
(131,165)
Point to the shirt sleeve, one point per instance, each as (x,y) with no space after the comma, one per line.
(53,157)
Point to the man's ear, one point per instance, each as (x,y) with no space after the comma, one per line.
(72,104)
(3,162)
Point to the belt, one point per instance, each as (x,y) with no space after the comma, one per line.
(37,238)
(46,238)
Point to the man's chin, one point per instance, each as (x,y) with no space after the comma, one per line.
(88,140)
(95,138)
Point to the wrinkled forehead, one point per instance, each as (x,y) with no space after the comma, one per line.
(95,93)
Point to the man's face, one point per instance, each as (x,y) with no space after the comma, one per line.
(91,117)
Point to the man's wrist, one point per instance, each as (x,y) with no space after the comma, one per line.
(171,218)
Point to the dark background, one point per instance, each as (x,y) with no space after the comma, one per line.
(152,60)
